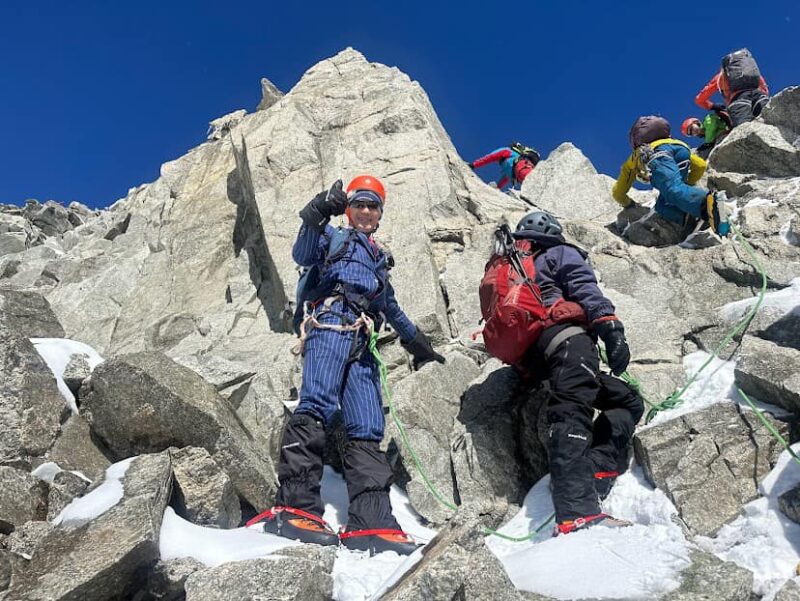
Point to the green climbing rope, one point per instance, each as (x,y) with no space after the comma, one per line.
(770,428)
(676,398)
(383,371)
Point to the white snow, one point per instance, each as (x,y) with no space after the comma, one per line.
(212,546)
(356,576)
(763,539)
(758,201)
(714,385)
(645,559)
(98,501)
(48,471)
(782,301)
(56,352)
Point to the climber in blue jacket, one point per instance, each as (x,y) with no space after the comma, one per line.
(339,371)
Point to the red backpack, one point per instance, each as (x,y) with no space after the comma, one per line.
(512,305)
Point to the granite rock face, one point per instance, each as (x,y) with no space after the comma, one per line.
(708,462)
(146,403)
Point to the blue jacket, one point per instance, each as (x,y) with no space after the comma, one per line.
(362,270)
(563,272)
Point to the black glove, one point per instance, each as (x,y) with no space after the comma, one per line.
(422,350)
(471,166)
(719,108)
(325,204)
(612,333)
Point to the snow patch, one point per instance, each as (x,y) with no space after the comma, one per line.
(760,202)
(212,546)
(783,301)
(646,559)
(57,352)
(714,385)
(356,575)
(98,501)
(49,470)
(763,539)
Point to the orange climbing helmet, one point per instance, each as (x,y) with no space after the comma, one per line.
(688,122)
(367,182)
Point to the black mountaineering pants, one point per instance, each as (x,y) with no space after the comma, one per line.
(747,106)
(578,448)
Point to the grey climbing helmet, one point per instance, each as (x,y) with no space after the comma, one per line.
(541,222)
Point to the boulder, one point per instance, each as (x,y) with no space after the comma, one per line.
(23,498)
(426,403)
(107,556)
(167,580)
(303,575)
(27,537)
(758,148)
(64,488)
(30,404)
(711,579)
(145,402)
(484,447)
(709,462)
(783,110)
(51,218)
(789,502)
(76,449)
(203,492)
(769,372)
(28,314)
(789,592)
(456,565)
(76,371)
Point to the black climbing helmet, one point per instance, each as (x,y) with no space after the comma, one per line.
(541,222)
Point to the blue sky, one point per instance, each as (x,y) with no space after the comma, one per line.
(97,95)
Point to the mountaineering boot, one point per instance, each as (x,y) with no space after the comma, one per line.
(296,524)
(378,540)
(589,521)
(370,523)
(717,212)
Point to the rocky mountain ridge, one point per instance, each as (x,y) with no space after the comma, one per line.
(186,287)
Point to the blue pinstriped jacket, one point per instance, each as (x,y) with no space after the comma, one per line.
(362,270)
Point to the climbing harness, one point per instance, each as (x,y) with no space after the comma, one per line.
(311,321)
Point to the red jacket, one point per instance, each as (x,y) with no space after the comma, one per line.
(719,83)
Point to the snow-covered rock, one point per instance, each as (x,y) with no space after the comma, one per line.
(101,554)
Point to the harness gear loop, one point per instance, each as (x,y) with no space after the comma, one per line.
(311,321)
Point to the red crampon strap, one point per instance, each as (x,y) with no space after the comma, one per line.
(270,513)
(601,475)
(373,532)
(568,526)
